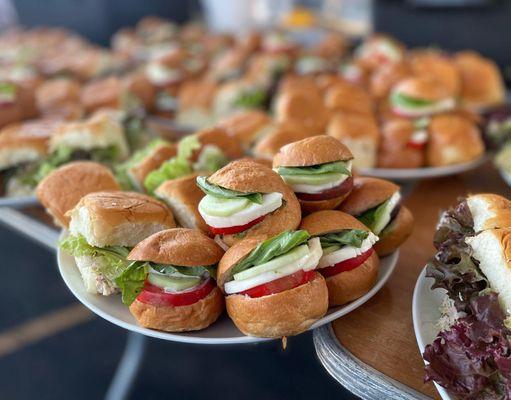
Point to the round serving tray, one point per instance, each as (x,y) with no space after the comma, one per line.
(425,312)
(221,332)
(409,174)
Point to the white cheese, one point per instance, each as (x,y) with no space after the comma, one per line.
(347,252)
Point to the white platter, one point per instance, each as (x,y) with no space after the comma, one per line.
(221,332)
(409,174)
(425,311)
(18,202)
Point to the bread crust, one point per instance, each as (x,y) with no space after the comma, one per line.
(348,98)
(396,233)
(385,77)
(33,134)
(218,136)
(244,126)
(327,221)
(312,151)
(350,285)
(103,93)
(318,205)
(498,205)
(154,160)
(353,126)
(282,133)
(395,151)
(423,87)
(178,246)
(197,94)
(282,314)
(367,193)
(63,188)
(193,317)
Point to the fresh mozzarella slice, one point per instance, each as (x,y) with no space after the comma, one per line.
(271,201)
(160,75)
(347,252)
(303,188)
(384,219)
(307,263)
(439,106)
(419,137)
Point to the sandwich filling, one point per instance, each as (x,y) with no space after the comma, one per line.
(408,106)
(381,49)
(161,75)
(319,182)
(280,263)
(227,211)
(378,218)
(8,93)
(345,250)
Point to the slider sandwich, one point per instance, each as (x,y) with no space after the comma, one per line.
(194,103)
(377,204)
(246,126)
(318,169)
(59,97)
(348,98)
(271,284)
(245,199)
(103,227)
(10,103)
(170,284)
(378,50)
(349,263)
(239,95)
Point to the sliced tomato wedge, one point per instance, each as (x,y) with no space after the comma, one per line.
(157,297)
(416,145)
(230,230)
(346,265)
(332,193)
(280,285)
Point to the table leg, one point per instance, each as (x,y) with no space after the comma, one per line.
(128,367)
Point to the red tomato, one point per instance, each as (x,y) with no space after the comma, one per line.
(415,145)
(280,285)
(230,230)
(157,297)
(346,265)
(332,193)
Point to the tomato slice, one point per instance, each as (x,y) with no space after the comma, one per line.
(415,145)
(332,193)
(280,285)
(230,230)
(157,297)
(346,265)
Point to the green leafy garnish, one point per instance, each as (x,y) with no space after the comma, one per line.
(338,167)
(211,159)
(253,98)
(198,271)
(218,191)
(131,281)
(176,167)
(348,237)
(373,215)
(7,90)
(271,248)
(402,100)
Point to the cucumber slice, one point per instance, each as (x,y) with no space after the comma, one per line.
(318,179)
(276,263)
(330,249)
(177,284)
(220,207)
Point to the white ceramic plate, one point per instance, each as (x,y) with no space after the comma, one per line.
(221,332)
(425,310)
(420,173)
(18,202)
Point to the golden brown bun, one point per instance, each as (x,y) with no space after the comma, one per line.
(384,78)
(140,87)
(34,134)
(154,160)
(283,133)
(235,254)
(366,194)
(350,285)
(424,88)
(178,246)
(353,126)
(217,136)
(332,46)
(309,206)
(312,151)
(322,222)
(54,93)
(249,176)
(183,195)
(103,93)
(481,82)
(197,94)
(489,211)
(63,188)
(193,317)
(453,140)
(395,151)
(245,126)
(348,98)
(10,113)
(282,314)
(396,233)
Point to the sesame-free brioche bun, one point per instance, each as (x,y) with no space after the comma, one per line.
(193,317)
(183,195)
(218,136)
(282,314)
(366,194)
(277,136)
(396,233)
(312,151)
(118,218)
(328,221)
(196,94)
(63,188)
(489,211)
(350,285)
(249,176)
(156,157)
(245,126)
(424,88)
(178,246)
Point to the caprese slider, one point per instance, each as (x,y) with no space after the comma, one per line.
(377,204)
(349,263)
(378,50)
(318,169)
(246,126)
(170,284)
(271,285)
(245,199)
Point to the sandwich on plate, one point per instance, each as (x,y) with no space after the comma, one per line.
(170,283)
(271,285)
(103,228)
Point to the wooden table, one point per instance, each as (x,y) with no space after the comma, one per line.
(380,333)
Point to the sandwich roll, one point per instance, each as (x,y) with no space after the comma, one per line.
(489,211)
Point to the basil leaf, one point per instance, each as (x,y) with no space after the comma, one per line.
(338,166)
(211,159)
(218,191)
(271,248)
(400,99)
(7,89)
(349,237)
(253,98)
(198,271)
(131,281)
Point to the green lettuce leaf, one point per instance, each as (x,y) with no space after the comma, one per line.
(131,281)
(338,166)
(211,159)
(218,191)
(186,271)
(8,90)
(176,167)
(254,98)
(402,100)
(349,237)
(271,248)
(371,216)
